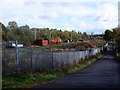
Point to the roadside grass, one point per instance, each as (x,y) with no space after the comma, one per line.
(21,80)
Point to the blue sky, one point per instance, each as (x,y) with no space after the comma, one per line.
(80,15)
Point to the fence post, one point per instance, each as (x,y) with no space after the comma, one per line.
(17,62)
(52,60)
(4,65)
(31,58)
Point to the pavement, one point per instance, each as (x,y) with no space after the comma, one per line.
(104,73)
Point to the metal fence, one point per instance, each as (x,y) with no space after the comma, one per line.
(8,60)
(35,60)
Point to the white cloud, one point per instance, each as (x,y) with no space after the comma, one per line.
(81,15)
(54,14)
(109,16)
(66,0)
(49,15)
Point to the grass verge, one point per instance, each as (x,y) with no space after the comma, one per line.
(27,80)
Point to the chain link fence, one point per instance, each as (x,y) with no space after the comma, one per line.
(31,60)
(8,60)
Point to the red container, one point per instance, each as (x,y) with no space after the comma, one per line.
(41,42)
(54,40)
(59,40)
(50,40)
(44,42)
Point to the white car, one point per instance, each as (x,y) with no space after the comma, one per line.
(14,45)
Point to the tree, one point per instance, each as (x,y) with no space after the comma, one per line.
(116,33)
(26,27)
(85,36)
(65,36)
(3,32)
(108,36)
(11,29)
(12,25)
(85,33)
(74,36)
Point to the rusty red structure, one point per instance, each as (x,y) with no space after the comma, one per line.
(41,42)
(54,40)
(47,41)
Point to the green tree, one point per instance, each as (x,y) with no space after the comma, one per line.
(108,36)
(12,25)
(116,33)
(3,32)
(26,27)
(66,35)
(74,36)
(85,36)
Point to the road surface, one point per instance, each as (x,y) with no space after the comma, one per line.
(104,73)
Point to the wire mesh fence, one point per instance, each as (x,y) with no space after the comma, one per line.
(31,59)
(8,60)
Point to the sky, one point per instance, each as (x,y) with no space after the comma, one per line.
(91,16)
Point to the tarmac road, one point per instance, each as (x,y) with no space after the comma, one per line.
(104,73)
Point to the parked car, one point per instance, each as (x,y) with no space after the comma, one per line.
(13,45)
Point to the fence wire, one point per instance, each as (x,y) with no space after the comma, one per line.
(31,59)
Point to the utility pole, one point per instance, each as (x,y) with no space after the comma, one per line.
(118,14)
(35,34)
(50,34)
(71,36)
(17,62)
(78,36)
(92,35)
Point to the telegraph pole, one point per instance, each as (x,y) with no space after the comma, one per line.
(92,35)
(78,36)
(119,14)
(17,62)
(35,34)
(71,36)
